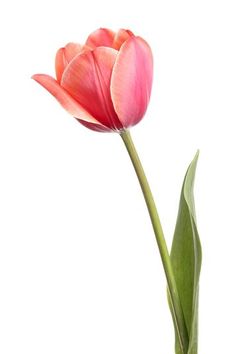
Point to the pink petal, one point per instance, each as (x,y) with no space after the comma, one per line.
(120,37)
(60,63)
(131,81)
(64,56)
(87,79)
(63,97)
(71,50)
(103,37)
(96,127)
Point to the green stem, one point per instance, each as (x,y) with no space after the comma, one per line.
(178,317)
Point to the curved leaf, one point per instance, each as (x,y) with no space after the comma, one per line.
(186,258)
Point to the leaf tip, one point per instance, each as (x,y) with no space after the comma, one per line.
(195,159)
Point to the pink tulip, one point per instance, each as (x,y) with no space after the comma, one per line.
(106,83)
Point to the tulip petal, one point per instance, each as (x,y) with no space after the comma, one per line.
(71,50)
(64,98)
(87,79)
(96,127)
(60,63)
(103,37)
(120,37)
(131,81)
(65,55)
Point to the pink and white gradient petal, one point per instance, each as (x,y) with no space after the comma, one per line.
(131,81)
(96,127)
(87,79)
(60,63)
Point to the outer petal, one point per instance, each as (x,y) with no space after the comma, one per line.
(60,63)
(64,98)
(64,56)
(96,127)
(120,37)
(131,81)
(87,79)
(103,37)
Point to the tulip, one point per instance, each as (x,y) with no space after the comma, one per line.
(105,83)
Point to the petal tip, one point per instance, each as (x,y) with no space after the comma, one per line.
(38,77)
(34,77)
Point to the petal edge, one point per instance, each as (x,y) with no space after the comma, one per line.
(121,36)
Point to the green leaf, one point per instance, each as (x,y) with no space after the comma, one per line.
(186,259)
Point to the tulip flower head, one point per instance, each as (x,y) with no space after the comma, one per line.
(105,83)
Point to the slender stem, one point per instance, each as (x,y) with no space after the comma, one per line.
(177,313)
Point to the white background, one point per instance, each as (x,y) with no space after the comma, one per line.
(79,268)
